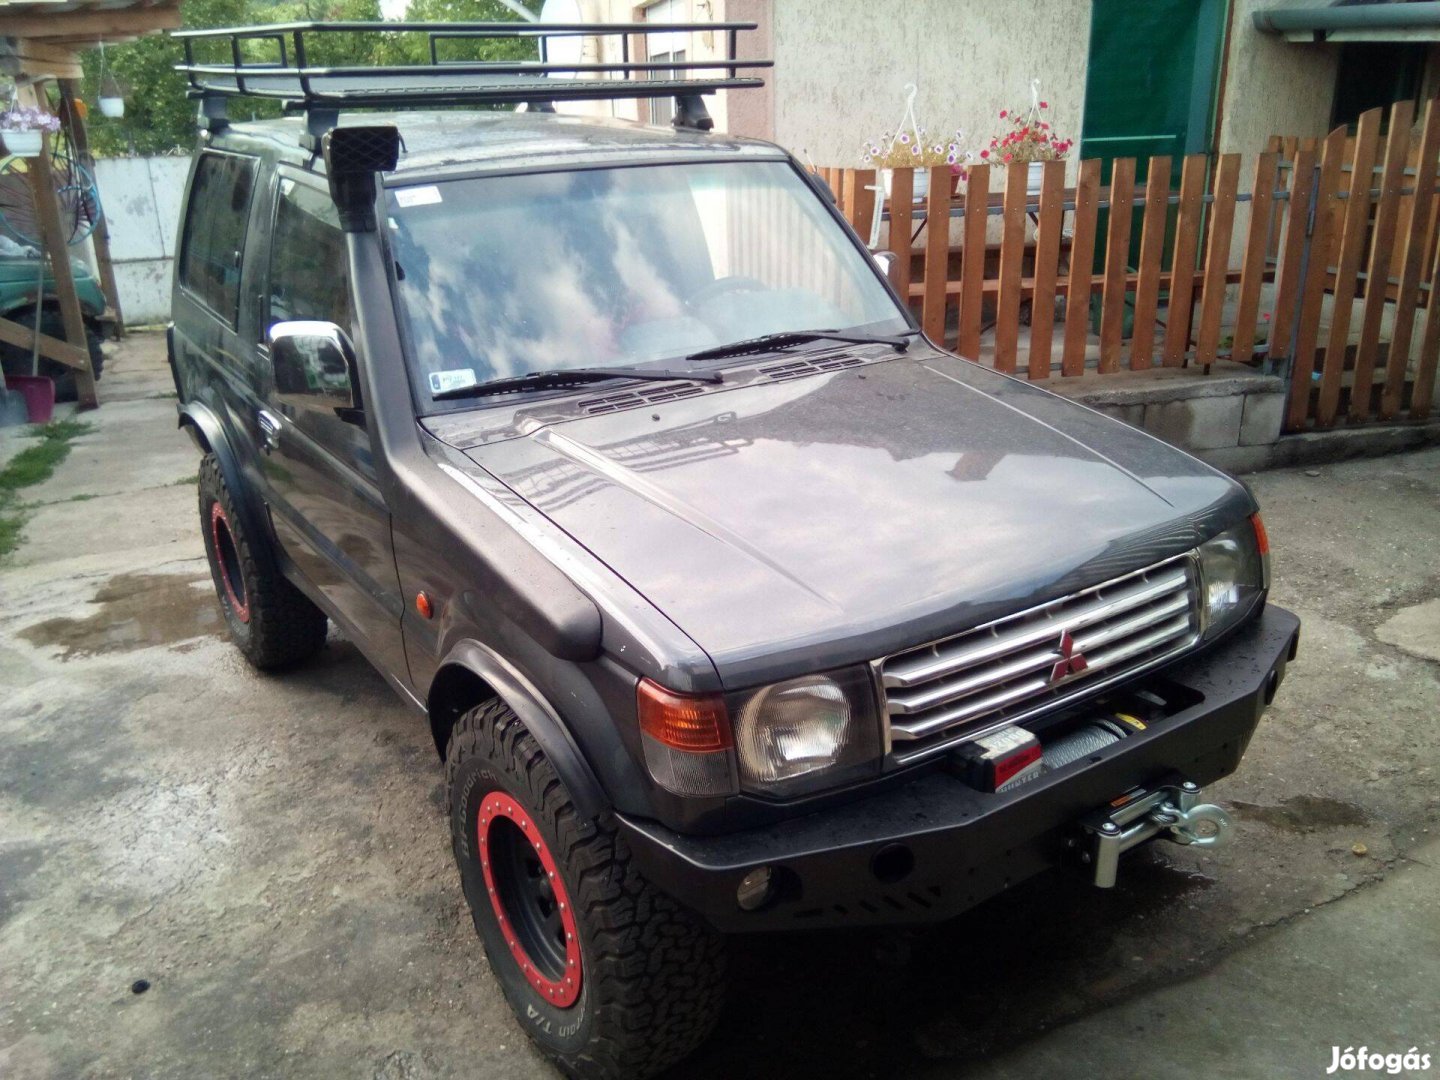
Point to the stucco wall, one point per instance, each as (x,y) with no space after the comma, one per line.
(1274,86)
(841,67)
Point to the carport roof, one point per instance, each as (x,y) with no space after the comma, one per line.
(44,37)
(1354,20)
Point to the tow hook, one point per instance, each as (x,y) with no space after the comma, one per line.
(1169,812)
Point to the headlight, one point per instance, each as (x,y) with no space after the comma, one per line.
(1234,573)
(805,733)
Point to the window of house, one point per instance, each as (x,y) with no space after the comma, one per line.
(662,109)
(1375,74)
(215,231)
(309,270)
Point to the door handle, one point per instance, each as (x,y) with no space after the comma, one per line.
(269,430)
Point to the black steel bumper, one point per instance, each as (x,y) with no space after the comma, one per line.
(967,845)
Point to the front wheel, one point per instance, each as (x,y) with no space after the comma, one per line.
(607,975)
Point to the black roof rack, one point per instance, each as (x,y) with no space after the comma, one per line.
(277,62)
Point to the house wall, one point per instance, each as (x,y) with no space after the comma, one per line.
(842,67)
(1273,86)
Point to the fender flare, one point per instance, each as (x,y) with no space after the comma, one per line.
(205,428)
(539,717)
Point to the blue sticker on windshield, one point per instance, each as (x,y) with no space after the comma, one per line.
(442,382)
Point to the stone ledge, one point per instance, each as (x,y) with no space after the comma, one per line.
(1160,384)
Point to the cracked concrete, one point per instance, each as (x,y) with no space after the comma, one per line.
(270,853)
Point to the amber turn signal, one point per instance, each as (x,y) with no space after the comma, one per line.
(693,723)
(422,605)
(1262,540)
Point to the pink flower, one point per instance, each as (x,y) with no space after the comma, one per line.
(1044,104)
(1008,158)
(1004,113)
(984,153)
(1266,316)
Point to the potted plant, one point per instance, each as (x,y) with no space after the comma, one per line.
(1026,138)
(112,97)
(23,130)
(910,146)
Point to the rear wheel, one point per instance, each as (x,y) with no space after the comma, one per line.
(273,623)
(607,975)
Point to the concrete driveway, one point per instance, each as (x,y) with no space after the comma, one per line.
(270,854)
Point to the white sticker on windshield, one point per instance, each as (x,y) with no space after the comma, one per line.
(417,196)
(456,379)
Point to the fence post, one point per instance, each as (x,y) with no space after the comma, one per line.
(1314,271)
(937,253)
(1352,247)
(972,271)
(1117,260)
(1382,251)
(1152,251)
(1047,268)
(1012,259)
(1417,238)
(1082,259)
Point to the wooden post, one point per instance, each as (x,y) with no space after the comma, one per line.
(47,204)
(101,236)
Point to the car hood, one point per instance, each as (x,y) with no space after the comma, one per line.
(786,525)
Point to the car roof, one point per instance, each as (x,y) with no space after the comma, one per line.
(440,142)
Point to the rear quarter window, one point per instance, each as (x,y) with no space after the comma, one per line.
(215,221)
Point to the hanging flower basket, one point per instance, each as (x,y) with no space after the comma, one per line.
(911,146)
(23,130)
(1028,139)
(23,143)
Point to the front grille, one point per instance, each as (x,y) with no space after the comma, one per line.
(1014,667)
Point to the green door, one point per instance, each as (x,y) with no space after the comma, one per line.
(1150,86)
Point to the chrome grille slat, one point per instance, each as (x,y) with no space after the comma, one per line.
(939,664)
(980,679)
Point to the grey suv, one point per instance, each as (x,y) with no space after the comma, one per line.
(733,604)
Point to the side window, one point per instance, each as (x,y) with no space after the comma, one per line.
(309,270)
(215,231)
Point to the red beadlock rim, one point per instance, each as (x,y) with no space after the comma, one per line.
(562,990)
(225,553)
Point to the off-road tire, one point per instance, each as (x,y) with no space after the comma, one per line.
(271,621)
(16,360)
(651,972)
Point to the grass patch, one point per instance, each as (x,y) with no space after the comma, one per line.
(32,466)
(185,481)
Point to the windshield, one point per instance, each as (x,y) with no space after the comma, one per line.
(504,275)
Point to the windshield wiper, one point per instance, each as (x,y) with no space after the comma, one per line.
(549,380)
(786,338)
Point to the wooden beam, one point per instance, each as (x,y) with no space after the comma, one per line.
(85,23)
(47,202)
(47,69)
(52,348)
(100,236)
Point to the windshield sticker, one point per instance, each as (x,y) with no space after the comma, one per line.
(442,382)
(417,196)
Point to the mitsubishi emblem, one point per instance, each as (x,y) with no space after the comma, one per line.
(1072,660)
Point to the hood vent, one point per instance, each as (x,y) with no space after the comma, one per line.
(629,399)
(794,369)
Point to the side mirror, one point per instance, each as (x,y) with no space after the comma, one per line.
(314,365)
(888,262)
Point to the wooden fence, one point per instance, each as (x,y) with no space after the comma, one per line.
(1133,275)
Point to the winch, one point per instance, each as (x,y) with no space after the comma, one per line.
(1171,811)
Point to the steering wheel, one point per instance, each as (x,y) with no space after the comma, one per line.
(723,287)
